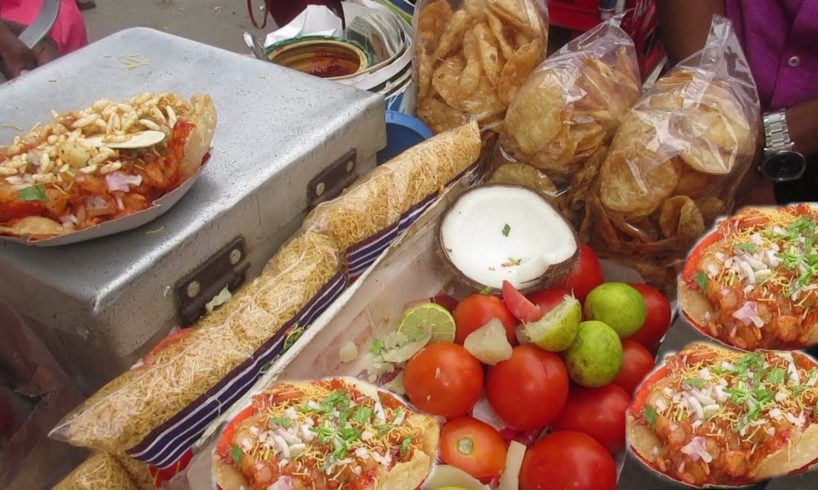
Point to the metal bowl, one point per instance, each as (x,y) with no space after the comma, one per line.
(325,57)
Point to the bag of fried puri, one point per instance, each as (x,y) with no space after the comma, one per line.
(566,112)
(678,155)
(471,56)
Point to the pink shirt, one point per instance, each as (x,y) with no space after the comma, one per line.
(780,39)
(68,31)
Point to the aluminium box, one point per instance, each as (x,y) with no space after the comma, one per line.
(284,141)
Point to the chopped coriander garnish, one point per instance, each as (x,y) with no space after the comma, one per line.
(292,337)
(236,455)
(754,412)
(344,417)
(746,247)
(362,415)
(798,389)
(281,421)
(650,415)
(349,434)
(485,291)
(511,262)
(506,230)
(405,444)
(32,193)
(702,280)
(325,432)
(695,382)
(762,396)
(750,361)
(383,429)
(776,375)
(377,346)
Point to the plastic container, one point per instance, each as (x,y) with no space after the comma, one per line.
(402,133)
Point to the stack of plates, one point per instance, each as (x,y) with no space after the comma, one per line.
(389,40)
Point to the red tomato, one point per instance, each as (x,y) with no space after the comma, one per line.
(547,299)
(598,412)
(473,446)
(586,275)
(528,391)
(563,460)
(477,310)
(637,362)
(519,305)
(657,316)
(444,379)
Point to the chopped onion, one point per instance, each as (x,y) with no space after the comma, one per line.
(402,353)
(747,314)
(348,352)
(489,343)
(509,480)
(696,450)
(120,181)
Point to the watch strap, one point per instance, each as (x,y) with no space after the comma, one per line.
(776,133)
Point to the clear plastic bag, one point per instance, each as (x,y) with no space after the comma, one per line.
(678,155)
(569,108)
(156,410)
(99,472)
(471,57)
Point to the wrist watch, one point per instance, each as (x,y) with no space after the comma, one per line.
(781,163)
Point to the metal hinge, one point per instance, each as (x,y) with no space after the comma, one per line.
(226,268)
(329,183)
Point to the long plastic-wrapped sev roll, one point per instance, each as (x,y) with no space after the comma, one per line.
(99,472)
(138,471)
(155,411)
(370,214)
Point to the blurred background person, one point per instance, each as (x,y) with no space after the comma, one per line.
(68,34)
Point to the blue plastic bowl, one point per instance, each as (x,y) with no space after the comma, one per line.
(402,133)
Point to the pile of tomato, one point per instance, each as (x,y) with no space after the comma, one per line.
(532,392)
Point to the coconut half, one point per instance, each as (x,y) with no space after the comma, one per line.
(498,232)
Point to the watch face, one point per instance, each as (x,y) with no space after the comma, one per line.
(784,166)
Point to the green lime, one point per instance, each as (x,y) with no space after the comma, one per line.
(618,305)
(595,357)
(417,319)
(557,329)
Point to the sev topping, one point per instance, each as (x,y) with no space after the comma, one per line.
(761,276)
(722,413)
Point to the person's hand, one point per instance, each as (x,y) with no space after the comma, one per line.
(16,58)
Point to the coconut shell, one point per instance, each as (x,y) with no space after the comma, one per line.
(554,275)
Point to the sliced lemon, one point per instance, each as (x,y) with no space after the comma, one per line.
(557,329)
(416,320)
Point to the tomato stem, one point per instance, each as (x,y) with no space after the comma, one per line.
(465,446)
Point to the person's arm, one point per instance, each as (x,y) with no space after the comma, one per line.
(684,25)
(802,123)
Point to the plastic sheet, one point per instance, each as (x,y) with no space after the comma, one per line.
(472,56)
(678,155)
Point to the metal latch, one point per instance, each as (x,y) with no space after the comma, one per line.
(332,180)
(226,268)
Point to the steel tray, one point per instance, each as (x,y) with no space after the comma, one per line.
(101,304)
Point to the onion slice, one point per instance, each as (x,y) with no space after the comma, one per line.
(489,343)
(406,351)
(509,480)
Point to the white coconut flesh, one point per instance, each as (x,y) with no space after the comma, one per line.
(495,233)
